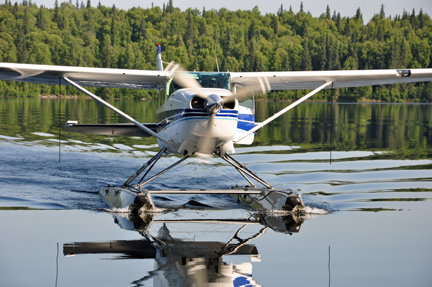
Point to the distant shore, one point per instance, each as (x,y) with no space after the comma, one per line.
(258,100)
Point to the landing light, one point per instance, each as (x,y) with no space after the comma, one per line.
(403,73)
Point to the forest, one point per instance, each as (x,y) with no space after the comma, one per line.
(79,34)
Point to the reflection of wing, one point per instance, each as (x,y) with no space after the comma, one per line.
(94,77)
(340,79)
(125,130)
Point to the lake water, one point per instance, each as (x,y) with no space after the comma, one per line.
(368,221)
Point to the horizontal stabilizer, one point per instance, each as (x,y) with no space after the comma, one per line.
(109,129)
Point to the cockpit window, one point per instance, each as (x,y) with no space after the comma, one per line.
(206,80)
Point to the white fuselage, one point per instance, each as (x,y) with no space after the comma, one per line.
(185,124)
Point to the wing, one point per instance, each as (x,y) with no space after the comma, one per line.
(110,129)
(84,76)
(318,80)
(341,79)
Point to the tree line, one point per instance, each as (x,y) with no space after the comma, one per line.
(77,34)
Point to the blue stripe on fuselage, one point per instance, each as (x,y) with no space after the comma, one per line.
(246,126)
(245,121)
(195,114)
(246,117)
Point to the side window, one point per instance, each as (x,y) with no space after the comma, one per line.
(249,103)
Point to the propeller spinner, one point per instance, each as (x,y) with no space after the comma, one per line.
(213,104)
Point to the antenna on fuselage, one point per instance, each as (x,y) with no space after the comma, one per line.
(217,64)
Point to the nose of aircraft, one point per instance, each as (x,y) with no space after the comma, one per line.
(213,104)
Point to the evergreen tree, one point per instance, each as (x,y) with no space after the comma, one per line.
(382,13)
(303,30)
(26,21)
(394,58)
(143,30)
(227,48)
(280,11)
(413,20)
(190,30)
(20,45)
(40,21)
(179,41)
(113,30)
(328,14)
(202,28)
(323,62)
(359,15)
(170,8)
(275,25)
(251,57)
(306,58)
(15,9)
(347,27)
(338,22)
(421,19)
(56,13)
(404,15)
(252,32)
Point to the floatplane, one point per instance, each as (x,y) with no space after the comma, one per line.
(203,114)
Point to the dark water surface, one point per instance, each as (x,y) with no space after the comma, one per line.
(368,220)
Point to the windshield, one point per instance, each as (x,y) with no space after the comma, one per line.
(206,80)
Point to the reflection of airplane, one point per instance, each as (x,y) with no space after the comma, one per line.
(180,262)
(203,113)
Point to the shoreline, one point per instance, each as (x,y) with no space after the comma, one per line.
(363,101)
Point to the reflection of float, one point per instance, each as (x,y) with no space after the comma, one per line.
(182,262)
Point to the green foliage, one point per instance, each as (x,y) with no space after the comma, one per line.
(242,40)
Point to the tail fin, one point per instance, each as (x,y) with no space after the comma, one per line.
(159,59)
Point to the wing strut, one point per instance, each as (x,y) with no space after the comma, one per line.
(257,127)
(129,118)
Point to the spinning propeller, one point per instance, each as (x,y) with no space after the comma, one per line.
(213,103)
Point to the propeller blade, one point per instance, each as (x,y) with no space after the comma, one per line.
(212,105)
(183,79)
(260,88)
(207,143)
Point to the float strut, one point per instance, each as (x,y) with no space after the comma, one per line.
(151,162)
(162,172)
(244,170)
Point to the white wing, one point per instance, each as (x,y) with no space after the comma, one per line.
(318,80)
(341,79)
(93,77)
(145,79)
